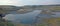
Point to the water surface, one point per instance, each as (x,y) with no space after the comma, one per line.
(26,18)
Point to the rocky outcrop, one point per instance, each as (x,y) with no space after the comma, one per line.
(22,11)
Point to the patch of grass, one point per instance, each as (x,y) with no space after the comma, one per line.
(2,24)
(10,24)
(56,8)
(42,24)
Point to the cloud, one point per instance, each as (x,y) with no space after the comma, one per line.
(41,2)
(28,2)
(10,2)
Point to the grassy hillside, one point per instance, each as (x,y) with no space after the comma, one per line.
(56,8)
(5,23)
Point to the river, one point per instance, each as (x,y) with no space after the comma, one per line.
(26,18)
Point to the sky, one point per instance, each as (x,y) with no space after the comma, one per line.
(28,2)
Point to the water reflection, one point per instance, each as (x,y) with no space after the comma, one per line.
(57,14)
(26,18)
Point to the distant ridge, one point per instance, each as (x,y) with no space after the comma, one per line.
(6,5)
(54,5)
(44,5)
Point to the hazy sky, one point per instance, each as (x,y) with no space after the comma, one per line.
(29,2)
